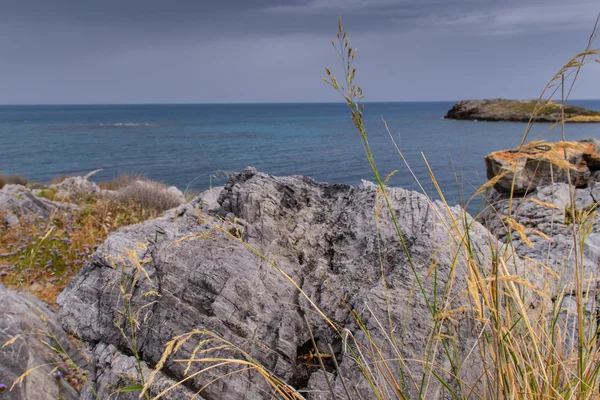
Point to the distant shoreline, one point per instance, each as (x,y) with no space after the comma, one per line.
(284,103)
(504,110)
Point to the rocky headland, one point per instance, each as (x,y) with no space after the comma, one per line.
(265,265)
(519,111)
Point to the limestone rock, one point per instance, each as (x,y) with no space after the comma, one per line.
(75,186)
(17,201)
(117,370)
(207,200)
(547,212)
(542,163)
(20,314)
(195,276)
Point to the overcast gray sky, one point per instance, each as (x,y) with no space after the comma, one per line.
(182,51)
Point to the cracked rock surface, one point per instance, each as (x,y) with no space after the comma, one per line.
(184,273)
(17,201)
(21,314)
(548,221)
(546,212)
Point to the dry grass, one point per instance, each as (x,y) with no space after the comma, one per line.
(584,118)
(148,195)
(12,180)
(43,255)
(121,181)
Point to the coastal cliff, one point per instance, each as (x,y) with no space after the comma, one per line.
(519,111)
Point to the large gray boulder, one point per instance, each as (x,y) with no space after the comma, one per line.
(32,321)
(17,201)
(76,186)
(183,272)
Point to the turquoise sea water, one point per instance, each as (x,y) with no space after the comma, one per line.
(184,144)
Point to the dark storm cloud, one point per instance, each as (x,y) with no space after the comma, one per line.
(230,17)
(71,51)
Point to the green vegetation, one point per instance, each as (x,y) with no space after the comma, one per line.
(542,110)
(43,255)
(545,108)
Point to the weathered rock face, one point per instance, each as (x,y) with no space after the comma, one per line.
(323,236)
(548,211)
(20,314)
(17,201)
(75,186)
(116,370)
(208,199)
(518,111)
(542,163)
(546,219)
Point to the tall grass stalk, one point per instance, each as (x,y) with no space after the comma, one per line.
(525,346)
(516,303)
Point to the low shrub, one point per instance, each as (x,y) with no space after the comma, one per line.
(12,180)
(149,195)
(121,181)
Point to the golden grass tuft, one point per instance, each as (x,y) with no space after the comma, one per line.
(584,118)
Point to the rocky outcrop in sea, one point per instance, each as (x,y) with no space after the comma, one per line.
(519,111)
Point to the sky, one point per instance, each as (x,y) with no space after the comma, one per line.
(222,51)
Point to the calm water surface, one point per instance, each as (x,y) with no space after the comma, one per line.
(184,144)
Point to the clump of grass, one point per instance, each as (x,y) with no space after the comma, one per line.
(48,193)
(121,181)
(45,254)
(526,351)
(148,195)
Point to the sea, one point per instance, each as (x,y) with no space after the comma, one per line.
(197,146)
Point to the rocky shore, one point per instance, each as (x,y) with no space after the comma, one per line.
(519,111)
(222,266)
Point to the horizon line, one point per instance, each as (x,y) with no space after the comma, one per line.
(256,103)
